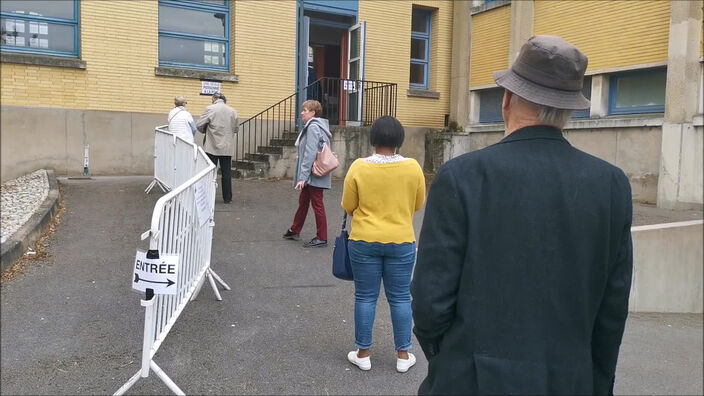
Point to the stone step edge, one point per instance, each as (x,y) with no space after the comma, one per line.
(25,237)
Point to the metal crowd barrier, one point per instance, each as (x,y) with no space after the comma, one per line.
(177,228)
(165,164)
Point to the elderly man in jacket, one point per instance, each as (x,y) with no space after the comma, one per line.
(219,124)
(524,258)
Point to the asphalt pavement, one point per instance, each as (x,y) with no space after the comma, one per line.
(71,323)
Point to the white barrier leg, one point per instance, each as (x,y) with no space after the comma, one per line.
(195,292)
(163,187)
(212,278)
(148,332)
(159,372)
(150,186)
(212,283)
(147,342)
(128,384)
(174,388)
(155,182)
(217,278)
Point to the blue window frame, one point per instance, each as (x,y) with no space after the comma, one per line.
(40,27)
(587,92)
(637,92)
(490,105)
(194,34)
(420,48)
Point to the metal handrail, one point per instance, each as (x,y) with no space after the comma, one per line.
(344,101)
(161,202)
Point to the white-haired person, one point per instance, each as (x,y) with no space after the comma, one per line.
(181,121)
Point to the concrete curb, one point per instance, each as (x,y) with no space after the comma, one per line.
(30,231)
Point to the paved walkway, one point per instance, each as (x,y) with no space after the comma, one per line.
(72,325)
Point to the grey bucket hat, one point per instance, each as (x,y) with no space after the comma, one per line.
(548,71)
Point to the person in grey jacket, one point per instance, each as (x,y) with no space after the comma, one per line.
(315,132)
(219,124)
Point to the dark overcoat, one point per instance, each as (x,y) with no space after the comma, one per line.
(524,270)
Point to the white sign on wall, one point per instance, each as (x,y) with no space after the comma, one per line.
(348,85)
(209,87)
(160,275)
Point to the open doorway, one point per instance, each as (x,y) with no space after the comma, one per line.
(327,57)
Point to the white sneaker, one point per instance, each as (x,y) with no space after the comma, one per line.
(402,365)
(363,363)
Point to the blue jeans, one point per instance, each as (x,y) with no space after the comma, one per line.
(372,262)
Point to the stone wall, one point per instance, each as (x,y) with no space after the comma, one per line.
(632,145)
(121,143)
(667,268)
(350,143)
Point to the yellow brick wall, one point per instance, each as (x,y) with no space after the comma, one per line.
(491,33)
(388,50)
(612,33)
(119,43)
(265,53)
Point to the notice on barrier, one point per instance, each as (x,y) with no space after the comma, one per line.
(202,206)
(160,275)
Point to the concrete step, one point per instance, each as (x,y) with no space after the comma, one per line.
(290,135)
(249,169)
(250,165)
(257,157)
(282,142)
(270,149)
(248,174)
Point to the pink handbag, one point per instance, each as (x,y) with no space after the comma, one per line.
(325,162)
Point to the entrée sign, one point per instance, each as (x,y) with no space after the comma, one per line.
(160,275)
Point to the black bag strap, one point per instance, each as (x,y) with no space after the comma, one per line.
(344,221)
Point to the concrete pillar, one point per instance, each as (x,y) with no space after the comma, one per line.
(600,96)
(461,45)
(701,86)
(521,27)
(473,107)
(680,177)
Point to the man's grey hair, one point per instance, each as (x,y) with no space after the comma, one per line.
(219,95)
(180,101)
(546,114)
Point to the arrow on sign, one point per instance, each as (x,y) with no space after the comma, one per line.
(168,282)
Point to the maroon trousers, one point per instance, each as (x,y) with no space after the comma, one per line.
(313,196)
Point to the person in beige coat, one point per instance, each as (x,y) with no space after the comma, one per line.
(219,124)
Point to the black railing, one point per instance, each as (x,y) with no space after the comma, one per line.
(359,101)
(271,123)
(344,102)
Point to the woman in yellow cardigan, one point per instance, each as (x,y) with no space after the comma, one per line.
(381,193)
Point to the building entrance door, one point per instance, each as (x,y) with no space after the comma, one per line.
(327,62)
(354,86)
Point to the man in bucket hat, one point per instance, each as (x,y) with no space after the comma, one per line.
(524,258)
